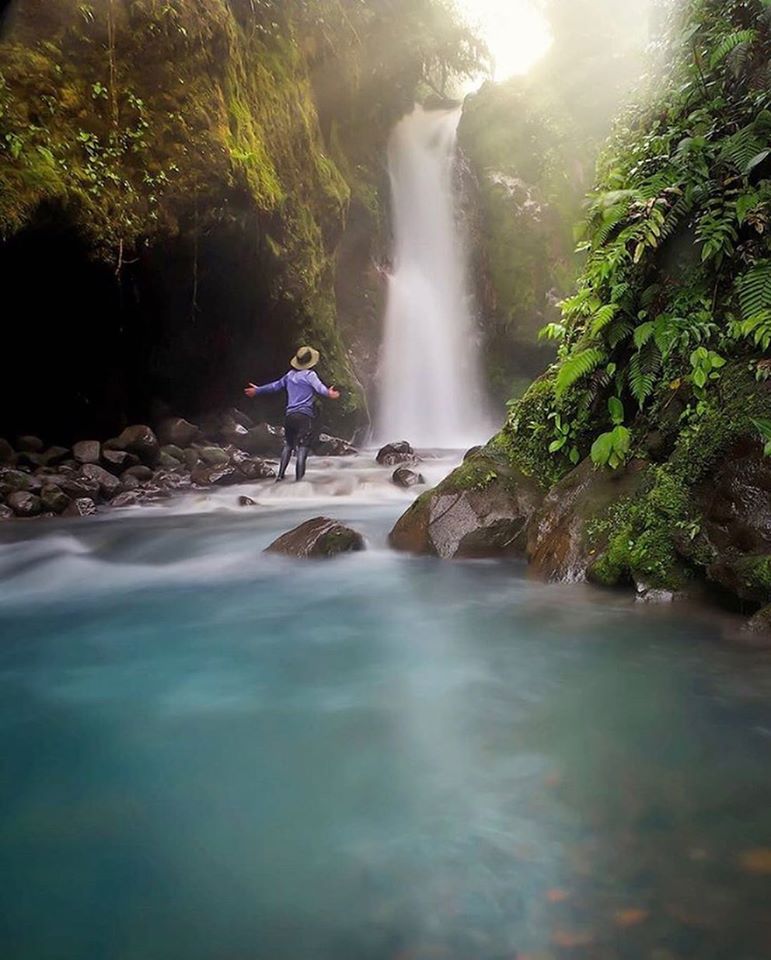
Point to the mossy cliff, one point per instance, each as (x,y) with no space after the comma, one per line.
(650,435)
(185,177)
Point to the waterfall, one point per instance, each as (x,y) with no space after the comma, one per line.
(429,378)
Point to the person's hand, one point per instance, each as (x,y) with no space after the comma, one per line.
(334,394)
(251,390)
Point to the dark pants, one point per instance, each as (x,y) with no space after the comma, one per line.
(298,430)
(298,435)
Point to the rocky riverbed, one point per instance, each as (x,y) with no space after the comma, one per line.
(141,465)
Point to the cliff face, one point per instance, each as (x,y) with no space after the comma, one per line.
(184,196)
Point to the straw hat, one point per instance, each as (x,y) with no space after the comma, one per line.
(305,358)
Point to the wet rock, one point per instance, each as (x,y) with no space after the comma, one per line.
(246,502)
(24,504)
(129,498)
(108,483)
(151,493)
(53,498)
(328,446)
(139,440)
(7,453)
(473,452)
(171,479)
(87,451)
(167,462)
(29,444)
(12,480)
(80,488)
(757,631)
(179,432)
(116,461)
(263,440)
(318,538)
(213,456)
(233,433)
(80,507)
(172,450)
(735,533)
(33,460)
(128,483)
(54,456)
(140,472)
(395,453)
(406,478)
(481,510)
(220,475)
(558,546)
(252,468)
(6,513)
(190,458)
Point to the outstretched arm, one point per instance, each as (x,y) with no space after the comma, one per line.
(321,389)
(252,390)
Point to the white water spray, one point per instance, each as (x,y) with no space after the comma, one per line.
(430,391)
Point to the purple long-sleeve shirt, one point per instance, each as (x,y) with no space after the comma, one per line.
(301,387)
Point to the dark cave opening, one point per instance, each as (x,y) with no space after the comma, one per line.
(179,329)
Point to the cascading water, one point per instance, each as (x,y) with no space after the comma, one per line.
(430,390)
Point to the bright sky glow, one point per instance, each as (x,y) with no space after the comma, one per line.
(515,32)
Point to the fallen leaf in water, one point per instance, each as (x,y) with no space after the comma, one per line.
(757,861)
(631,917)
(557,896)
(569,939)
(553,779)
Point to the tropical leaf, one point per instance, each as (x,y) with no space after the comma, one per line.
(755,290)
(603,317)
(644,368)
(577,366)
(730,43)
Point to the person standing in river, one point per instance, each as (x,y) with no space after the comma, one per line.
(302,387)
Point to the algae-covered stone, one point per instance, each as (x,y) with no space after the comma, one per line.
(318,538)
(24,504)
(481,510)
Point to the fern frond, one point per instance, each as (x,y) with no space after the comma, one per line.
(730,43)
(603,317)
(618,331)
(742,147)
(644,368)
(576,367)
(755,290)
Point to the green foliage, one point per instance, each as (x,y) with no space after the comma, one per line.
(764,429)
(577,366)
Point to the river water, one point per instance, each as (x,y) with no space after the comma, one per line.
(212,754)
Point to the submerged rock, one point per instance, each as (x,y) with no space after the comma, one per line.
(320,537)
(481,510)
(24,504)
(404,477)
(246,502)
(394,453)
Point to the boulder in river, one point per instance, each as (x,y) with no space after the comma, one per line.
(395,453)
(12,480)
(404,477)
(318,538)
(87,451)
(481,510)
(24,504)
(263,440)
(246,502)
(140,472)
(116,461)
(138,439)
(217,474)
(213,455)
(79,488)
(177,431)
(328,446)
(129,498)
(53,498)
(6,513)
(109,484)
(80,507)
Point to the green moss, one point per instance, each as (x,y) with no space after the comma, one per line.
(755,574)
